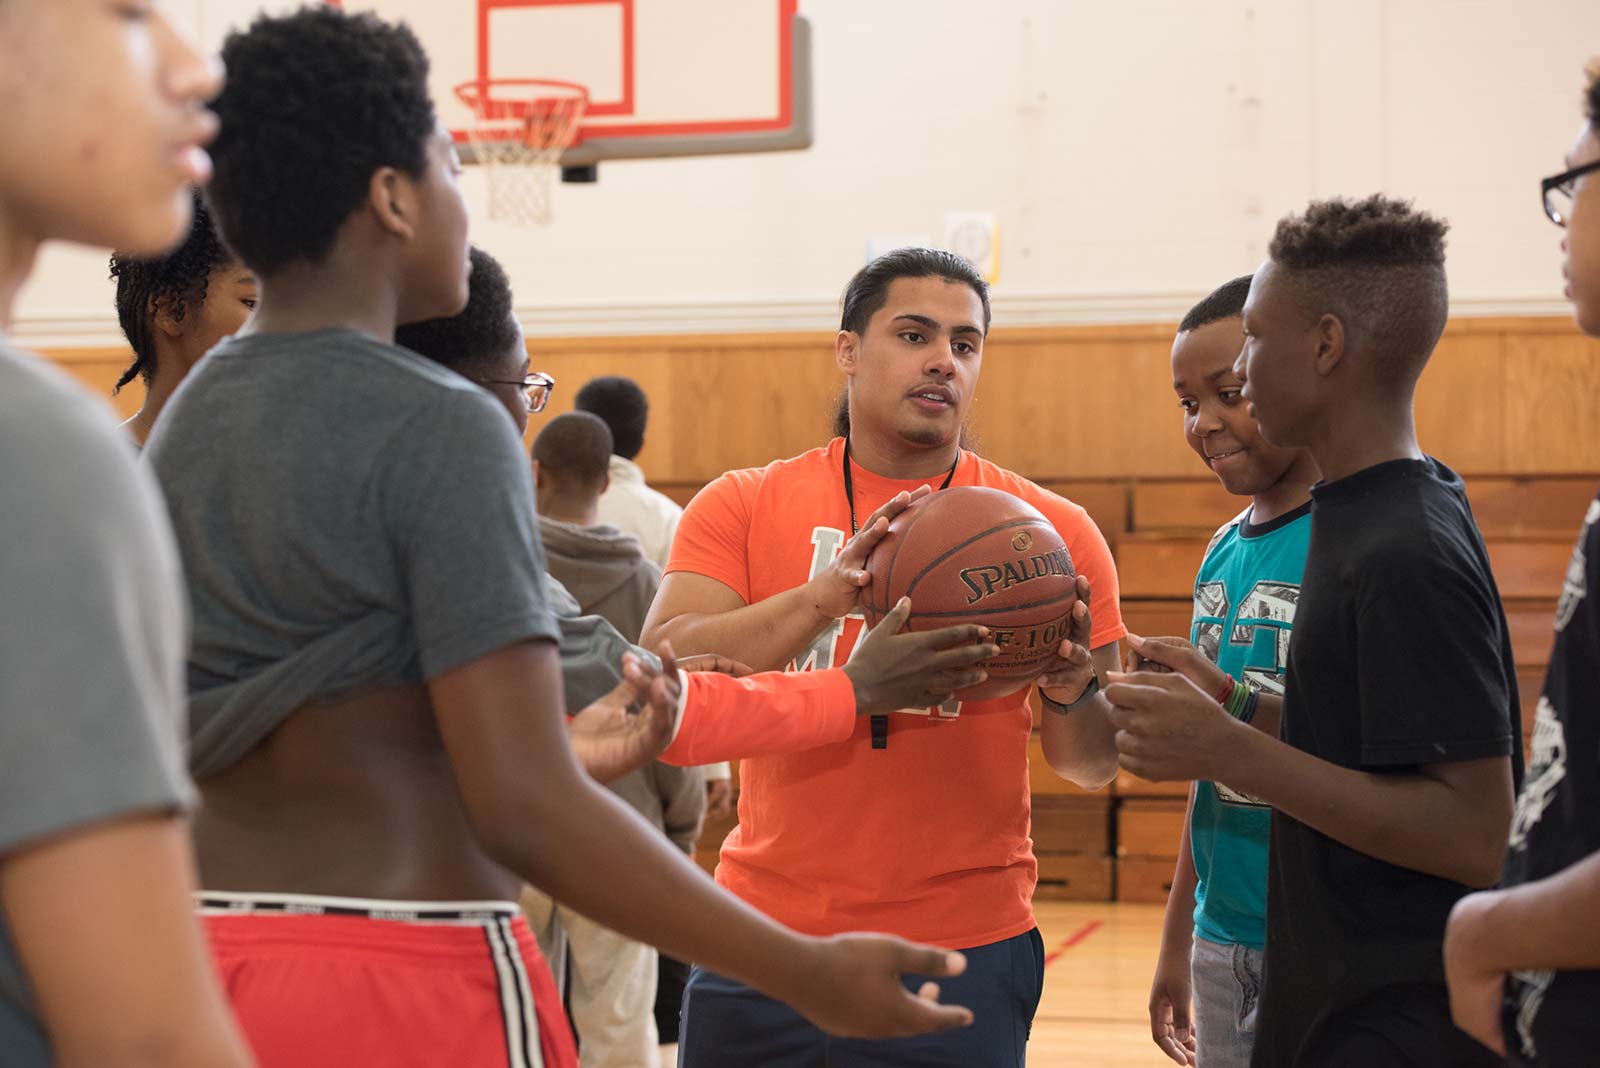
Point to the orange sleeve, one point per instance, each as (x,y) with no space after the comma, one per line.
(776,712)
(713,537)
(1091,556)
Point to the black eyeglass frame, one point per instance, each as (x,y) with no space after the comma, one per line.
(535,380)
(1554,183)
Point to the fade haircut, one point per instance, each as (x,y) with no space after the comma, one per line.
(176,280)
(1378,265)
(574,449)
(1224,302)
(315,102)
(481,333)
(622,405)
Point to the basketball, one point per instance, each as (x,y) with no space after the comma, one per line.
(976,555)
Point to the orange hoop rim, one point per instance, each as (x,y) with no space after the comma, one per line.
(475,95)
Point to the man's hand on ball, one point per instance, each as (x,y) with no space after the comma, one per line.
(836,592)
(1069,674)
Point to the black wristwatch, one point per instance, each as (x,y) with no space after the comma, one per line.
(1060,709)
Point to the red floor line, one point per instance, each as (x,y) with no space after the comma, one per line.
(1072,940)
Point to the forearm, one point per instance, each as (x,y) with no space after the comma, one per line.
(1081,745)
(1546,924)
(1177,922)
(1444,832)
(1269,715)
(104,924)
(766,635)
(727,718)
(593,853)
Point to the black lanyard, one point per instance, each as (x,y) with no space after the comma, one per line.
(880,722)
(850,488)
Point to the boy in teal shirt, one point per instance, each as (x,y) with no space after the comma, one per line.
(1244,603)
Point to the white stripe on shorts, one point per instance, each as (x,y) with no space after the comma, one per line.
(516,999)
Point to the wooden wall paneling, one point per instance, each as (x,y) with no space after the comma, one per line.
(1158,619)
(98,370)
(1145,880)
(1530,684)
(1060,406)
(1532,626)
(1552,403)
(1105,501)
(1149,828)
(1501,397)
(650,366)
(1159,567)
(1461,402)
(1530,507)
(1074,877)
(1072,824)
(1529,568)
(1187,506)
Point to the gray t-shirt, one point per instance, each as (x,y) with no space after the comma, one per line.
(92,638)
(350,515)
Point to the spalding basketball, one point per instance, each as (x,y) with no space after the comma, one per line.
(976,555)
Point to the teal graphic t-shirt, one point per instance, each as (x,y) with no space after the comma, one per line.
(1244,602)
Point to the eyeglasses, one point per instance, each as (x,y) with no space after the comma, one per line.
(1558,192)
(536,389)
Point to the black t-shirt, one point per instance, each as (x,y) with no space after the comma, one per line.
(1553,1018)
(1400,657)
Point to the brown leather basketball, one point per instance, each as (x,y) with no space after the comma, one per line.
(970,554)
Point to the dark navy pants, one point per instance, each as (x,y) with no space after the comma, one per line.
(728,1025)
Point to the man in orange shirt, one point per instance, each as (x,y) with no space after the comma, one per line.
(919,826)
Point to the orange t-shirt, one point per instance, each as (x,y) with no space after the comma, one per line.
(927,839)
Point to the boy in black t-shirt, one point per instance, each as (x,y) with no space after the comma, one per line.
(1524,962)
(1392,785)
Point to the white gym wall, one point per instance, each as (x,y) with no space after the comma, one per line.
(1135,154)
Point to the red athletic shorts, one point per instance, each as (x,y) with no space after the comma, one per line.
(321,982)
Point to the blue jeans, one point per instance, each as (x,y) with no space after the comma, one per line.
(728,1025)
(1227,989)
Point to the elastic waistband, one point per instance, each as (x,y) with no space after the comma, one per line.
(473,913)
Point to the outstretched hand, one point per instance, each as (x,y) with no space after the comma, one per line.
(852,988)
(894,668)
(630,726)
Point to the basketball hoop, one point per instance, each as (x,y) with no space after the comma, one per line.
(523,126)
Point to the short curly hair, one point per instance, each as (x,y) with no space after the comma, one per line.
(1224,302)
(1378,265)
(178,278)
(622,405)
(315,102)
(478,334)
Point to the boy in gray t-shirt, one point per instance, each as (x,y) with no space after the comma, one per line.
(378,734)
(101,960)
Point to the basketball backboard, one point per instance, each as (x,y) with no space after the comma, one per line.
(664,77)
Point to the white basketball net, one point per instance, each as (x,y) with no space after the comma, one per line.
(523,128)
